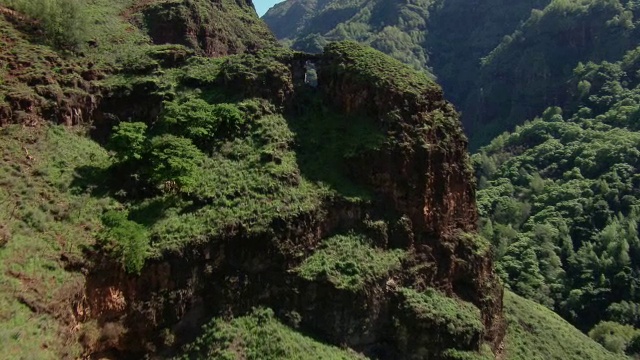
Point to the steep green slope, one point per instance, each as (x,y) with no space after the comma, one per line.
(527,72)
(394,28)
(46,224)
(560,199)
(535,332)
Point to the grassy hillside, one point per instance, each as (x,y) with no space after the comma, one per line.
(536,333)
(47,223)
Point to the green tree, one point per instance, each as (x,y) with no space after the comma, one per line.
(203,123)
(613,336)
(174,162)
(129,141)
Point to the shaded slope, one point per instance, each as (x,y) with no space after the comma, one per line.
(528,70)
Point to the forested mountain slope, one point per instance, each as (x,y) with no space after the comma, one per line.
(559,197)
(500,62)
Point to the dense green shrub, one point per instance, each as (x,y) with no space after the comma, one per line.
(613,336)
(205,124)
(167,162)
(125,240)
(173,162)
(433,308)
(258,336)
(349,262)
(128,141)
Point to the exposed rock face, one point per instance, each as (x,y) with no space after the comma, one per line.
(422,180)
(423,173)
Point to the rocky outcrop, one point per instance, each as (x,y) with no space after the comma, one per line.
(30,88)
(424,196)
(422,171)
(418,175)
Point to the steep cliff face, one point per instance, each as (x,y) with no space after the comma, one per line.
(346,206)
(421,213)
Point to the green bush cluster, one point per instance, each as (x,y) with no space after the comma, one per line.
(125,240)
(461,320)
(258,335)
(616,337)
(350,262)
(168,162)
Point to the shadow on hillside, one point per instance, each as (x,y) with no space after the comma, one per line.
(91,179)
(328,145)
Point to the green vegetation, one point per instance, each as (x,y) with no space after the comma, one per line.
(394,30)
(439,37)
(63,21)
(462,320)
(209,28)
(615,337)
(44,219)
(259,335)
(246,181)
(125,240)
(536,333)
(373,67)
(350,262)
(528,70)
(500,64)
(220,150)
(559,199)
